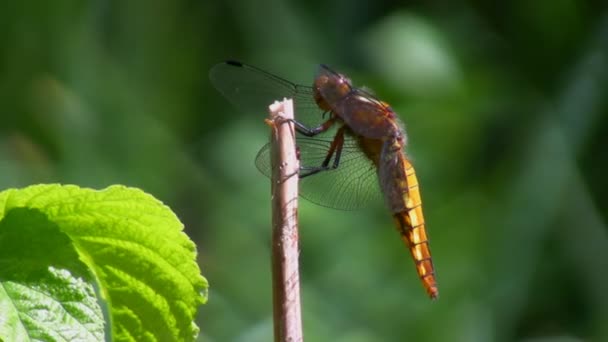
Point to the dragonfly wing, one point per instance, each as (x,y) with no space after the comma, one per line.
(262,161)
(253,89)
(351,186)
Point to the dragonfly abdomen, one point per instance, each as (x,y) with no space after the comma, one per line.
(411,226)
(414,236)
(400,186)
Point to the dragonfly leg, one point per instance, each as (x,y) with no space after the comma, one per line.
(336,148)
(311,132)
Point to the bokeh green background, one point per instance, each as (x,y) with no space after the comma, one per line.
(505,105)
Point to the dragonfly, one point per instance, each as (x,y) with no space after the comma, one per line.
(351,147)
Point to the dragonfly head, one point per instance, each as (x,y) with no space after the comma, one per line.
(330,87)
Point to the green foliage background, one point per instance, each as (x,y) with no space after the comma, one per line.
(506,110)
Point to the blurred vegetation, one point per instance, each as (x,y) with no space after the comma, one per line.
(506,109)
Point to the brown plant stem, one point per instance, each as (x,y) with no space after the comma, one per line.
(285,250)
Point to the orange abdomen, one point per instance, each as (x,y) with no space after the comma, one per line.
(410,224)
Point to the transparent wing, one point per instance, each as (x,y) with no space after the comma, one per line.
(253,89)
(352,185)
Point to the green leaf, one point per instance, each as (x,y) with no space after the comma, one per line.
(46,293)
(57,242)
